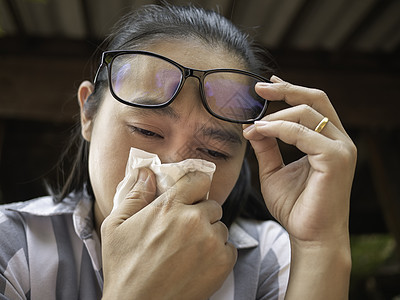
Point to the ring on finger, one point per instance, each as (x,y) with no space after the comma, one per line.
(321,125)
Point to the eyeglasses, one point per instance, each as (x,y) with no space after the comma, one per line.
(149,80)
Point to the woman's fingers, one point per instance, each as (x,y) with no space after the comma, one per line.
(305,139)
(295,126)
(266,150)
(142,193)
(221,232)
(320,148)
(211,209)
(183,192)
(295,95)
(306,116)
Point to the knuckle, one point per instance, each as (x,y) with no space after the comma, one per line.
(320,95)
(348,152)
(286,128)
(297,129)
(306,109)
(287,85)
(354,150)
(215,240)
(193,218)
(210,244)
(193,181)
(106,227)
(351,152)
(219,210)
(166,200)
(228,257)
(133,194)
(215,206)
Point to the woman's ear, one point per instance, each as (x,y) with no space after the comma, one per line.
(85,90)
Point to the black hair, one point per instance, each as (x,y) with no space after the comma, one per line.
(138,29)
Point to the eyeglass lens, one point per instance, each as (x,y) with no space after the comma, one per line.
(233,96)
(144,79)
(149,80)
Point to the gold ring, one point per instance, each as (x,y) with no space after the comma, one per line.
(321,125)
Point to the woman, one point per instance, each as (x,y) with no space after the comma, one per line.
(150,93)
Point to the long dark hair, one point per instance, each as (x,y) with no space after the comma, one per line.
(154,23)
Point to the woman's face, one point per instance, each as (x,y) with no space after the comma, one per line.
(182,130)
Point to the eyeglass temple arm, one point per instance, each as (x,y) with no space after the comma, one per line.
(98,72)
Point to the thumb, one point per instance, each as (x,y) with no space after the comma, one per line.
(191,188)
(141,194)
(266,150)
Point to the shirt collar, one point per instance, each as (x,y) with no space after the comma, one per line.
(240,238)
(45,206)
(79,207)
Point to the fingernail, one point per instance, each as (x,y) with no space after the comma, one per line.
(143,175)
(276,79)
(248,129)
(261,123)
(262,84)
(145,178)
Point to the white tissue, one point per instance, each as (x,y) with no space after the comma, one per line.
(166,174)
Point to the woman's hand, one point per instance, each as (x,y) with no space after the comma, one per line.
(309,197)
(173,247)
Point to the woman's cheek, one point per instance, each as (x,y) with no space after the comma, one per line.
(224,180)
(107,163)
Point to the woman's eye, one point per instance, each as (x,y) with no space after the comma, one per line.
(214,154)
(146,133)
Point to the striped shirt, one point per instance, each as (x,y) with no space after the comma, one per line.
(52,251)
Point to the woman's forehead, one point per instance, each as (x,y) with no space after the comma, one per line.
(195,54)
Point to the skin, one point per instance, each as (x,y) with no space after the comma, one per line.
(175,247)
(174,133)
(315,210)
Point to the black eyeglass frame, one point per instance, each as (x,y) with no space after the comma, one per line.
(108,57)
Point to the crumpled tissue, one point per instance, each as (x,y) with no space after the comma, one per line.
(166,174)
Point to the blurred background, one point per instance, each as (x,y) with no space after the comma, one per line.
(348,48)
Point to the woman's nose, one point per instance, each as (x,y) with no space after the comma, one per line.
(177,152)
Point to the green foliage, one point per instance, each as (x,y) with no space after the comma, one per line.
(369,252)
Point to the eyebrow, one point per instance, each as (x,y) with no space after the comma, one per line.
(221,134)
